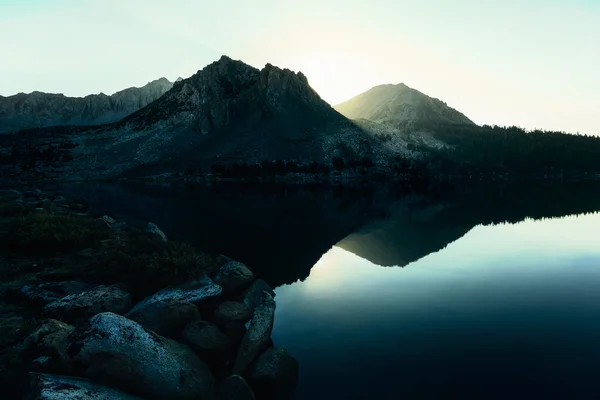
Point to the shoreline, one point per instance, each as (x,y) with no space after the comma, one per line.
(69,275)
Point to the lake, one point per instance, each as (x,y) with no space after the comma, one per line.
(479,293)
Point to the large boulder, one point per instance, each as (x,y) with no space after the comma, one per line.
(167,318)
(198,292)
(230,312)
(55,387)
(274,374)
(83,305)
(207,340)
(257,337)
(235,388)
(233,276)
(117,351)
(45,293)
(253,295)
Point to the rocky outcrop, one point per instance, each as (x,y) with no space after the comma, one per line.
(55,387)
(227,112)
(45,293)
(118,351)
(38,110)
(275,374)
(167,318)
(233,276)
(258,335)
(123,358)
(197,292)
(97,300)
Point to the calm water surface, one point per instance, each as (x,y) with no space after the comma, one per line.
(505,311)
(414,296)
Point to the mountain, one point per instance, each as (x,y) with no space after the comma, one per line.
(38,110)
(227,112)
(400,105)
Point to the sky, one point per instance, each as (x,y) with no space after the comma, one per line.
(530,63)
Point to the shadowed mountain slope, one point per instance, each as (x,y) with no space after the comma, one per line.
(39,110)
(227,112)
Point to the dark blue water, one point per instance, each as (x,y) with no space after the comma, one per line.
(506,311)
(383,295)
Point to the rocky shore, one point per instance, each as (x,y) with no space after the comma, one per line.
(93,308)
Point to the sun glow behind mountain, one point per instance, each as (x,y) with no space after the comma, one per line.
(498,62)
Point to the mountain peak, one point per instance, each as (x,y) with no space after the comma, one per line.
(400,104)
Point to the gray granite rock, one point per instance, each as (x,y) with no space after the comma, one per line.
(257,337)
(196,292)
(274,375)
(85,304)
(167,318)
(55,387)
(207,340)
(255,292)
(232,312)
(233,276)
(45,293)
(117,351)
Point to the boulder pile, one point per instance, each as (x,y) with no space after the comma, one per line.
(206,339)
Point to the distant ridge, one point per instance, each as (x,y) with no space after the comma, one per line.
(39,110)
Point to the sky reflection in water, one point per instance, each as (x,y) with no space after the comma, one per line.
(504,310)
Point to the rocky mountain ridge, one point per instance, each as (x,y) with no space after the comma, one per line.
(39,110)
(227,112)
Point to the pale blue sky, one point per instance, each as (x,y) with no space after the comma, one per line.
(529,63)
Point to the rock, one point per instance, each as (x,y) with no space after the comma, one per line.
(55,387)
(207,340)
(48,292)
(102,223)
(233,276)
(257,337)
(235,332)
(50,339)
(42,364)
(117,351)
(255,292)
(275,374)
(232,312)
(235,388)
(223,259)
(109,220)
(155,230)
(196,292)
(97,300)
(167,318)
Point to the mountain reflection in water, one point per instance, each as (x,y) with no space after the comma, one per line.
(282,231)
(499,297)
